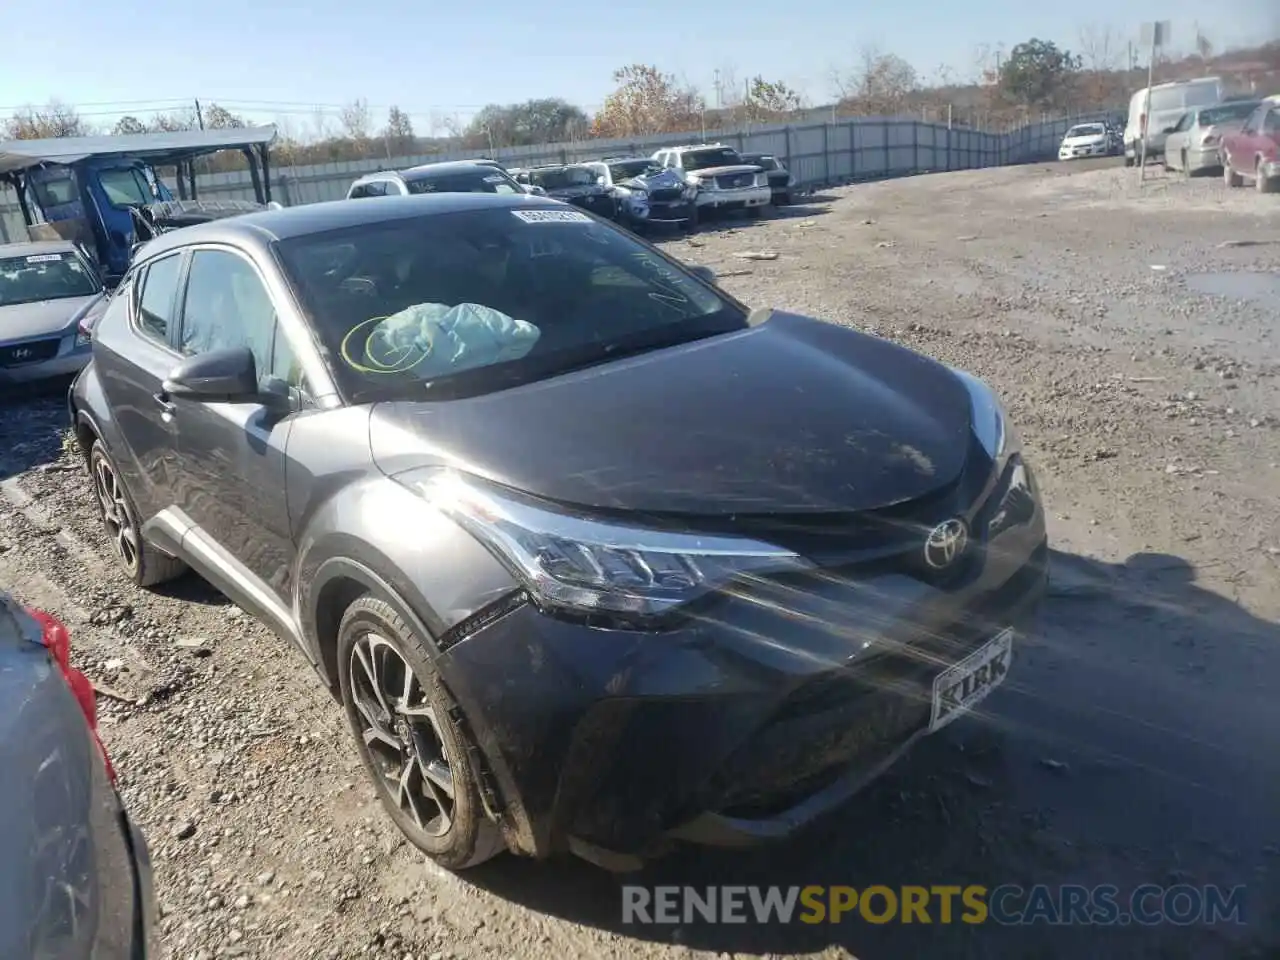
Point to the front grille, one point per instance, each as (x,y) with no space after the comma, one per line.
(733,181)
(33,351)
(664,195)
(889,539)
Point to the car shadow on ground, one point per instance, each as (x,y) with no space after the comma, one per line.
(33,420)
(1134,743)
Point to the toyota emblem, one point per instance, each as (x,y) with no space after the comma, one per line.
(946,544)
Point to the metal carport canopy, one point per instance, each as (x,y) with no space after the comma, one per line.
(160,149)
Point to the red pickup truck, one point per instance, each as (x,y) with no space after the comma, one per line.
(1253,152)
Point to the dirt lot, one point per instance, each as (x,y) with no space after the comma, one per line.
(1137,740)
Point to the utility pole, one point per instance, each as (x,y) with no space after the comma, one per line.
(199,115)
(1159,37)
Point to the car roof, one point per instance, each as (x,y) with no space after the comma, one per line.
(35,247)
(268,226)
(427,170)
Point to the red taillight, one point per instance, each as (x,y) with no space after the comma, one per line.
(54,635)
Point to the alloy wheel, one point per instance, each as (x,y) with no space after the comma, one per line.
(402,734)
(115,513)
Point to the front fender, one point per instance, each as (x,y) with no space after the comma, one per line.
(379,535)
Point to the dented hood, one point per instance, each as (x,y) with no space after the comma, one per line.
(791,415)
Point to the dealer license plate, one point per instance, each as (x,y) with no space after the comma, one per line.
(964,685)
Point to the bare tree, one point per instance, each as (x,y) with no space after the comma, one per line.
(881,84)
(1100,48)
(54,119)
(321,128)
(356,120)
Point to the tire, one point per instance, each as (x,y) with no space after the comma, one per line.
(784,200)
(1229,176)
(141,562)
(1262,183)
(1129,161)
(375,642)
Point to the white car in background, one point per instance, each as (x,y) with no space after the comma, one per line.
(1085,140)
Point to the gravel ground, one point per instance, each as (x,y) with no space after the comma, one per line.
(1134,336)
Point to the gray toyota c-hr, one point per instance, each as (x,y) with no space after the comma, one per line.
(595,557)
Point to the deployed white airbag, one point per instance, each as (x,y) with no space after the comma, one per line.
(448,339)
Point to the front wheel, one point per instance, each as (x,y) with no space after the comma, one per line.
(407,736)
(1229,176)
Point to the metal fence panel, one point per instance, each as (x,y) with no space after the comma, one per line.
(818,154)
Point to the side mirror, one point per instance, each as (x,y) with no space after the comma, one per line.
(228,375)
(705,274)
(601,181)
(536,190)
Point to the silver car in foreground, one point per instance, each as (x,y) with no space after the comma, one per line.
(46,290)
(1194,144)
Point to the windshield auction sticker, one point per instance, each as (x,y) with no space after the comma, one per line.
(45,258)
(551,216)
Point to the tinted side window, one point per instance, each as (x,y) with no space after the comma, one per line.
(156,304)
(226,305)
(1271,124)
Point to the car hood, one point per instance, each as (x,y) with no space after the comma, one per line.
(22,321)
(662,179)
(790,415)
(725,171)
(1088,141)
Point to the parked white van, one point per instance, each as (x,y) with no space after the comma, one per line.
(1169,101)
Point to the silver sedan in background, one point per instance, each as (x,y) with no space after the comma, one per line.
(46,290)
(1194,143)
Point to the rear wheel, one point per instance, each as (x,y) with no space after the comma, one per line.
(1229,176)
(407,732)
(144,564)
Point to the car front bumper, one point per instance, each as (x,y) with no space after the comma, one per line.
(740,198)
(69,360)
(1079,153)
(1203,158)
(748,720)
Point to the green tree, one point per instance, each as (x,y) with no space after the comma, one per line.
(769,100)
(1038,73)
(217,117)
(545,120)
(398,133)
(128,126)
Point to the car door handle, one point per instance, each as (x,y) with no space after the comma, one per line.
(166,405)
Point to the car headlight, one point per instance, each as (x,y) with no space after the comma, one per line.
(690,191)
(708,184)
(990,422)
(592,566)
(762,179)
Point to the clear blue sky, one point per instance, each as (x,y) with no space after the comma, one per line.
(276,61)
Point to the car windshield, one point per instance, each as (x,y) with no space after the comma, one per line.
(474,301)
(472,181)
(626,169)
(705,159)
(44,276)
(1228,112)
(126,186)
(1088,130)
(561,178)
(1183,97)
